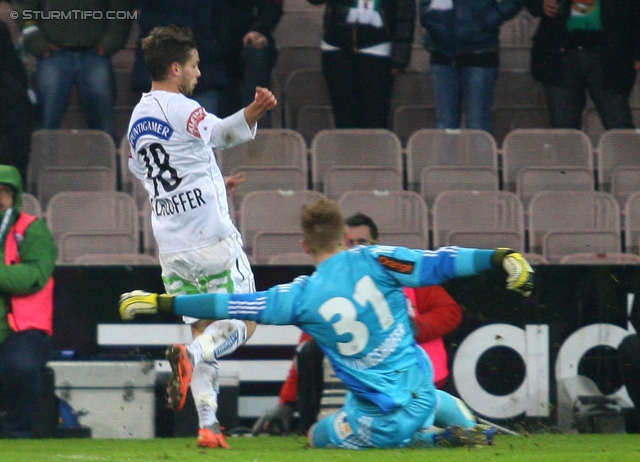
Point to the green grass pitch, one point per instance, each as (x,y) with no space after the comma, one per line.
(532,448)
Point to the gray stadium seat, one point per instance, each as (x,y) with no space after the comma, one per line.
(401,216)
(344,152)
(272,212)
(486,219)
(559,148)
(567,222)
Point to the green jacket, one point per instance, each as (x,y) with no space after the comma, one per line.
(83,27)
(38,254)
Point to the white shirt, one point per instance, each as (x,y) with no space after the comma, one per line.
(172,139)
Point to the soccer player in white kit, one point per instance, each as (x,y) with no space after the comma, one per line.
(200,250)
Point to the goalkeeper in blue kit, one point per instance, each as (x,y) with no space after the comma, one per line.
(353,305)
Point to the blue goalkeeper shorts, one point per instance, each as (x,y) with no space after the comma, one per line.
(360,424)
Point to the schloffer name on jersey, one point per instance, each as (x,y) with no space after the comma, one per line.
(178,203)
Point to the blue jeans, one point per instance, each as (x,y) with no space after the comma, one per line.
(22,357)
(464,89)
(94,79)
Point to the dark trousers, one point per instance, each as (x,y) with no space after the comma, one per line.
(23,355)
(360,88)
(310,384)
(583,74)
(250,68)
(629,354)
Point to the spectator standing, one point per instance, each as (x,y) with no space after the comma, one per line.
(365,43)
(73,41)
(26,311)
(252,51)
(586,46)
(209,22)
(17,114)
(463,39)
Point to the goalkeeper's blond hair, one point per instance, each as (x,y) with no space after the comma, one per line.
(323,226)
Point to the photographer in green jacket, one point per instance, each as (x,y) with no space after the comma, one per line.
(27,261)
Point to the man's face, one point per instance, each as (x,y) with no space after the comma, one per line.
(357,235)
(190,74)
(7,197)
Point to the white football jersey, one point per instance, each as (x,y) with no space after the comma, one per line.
(172,139)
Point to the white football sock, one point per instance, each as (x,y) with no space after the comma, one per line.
(205,388)
(218,339)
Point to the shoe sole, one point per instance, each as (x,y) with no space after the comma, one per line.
(212,441)
(181,371)
(475,437)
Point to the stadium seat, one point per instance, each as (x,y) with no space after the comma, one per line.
(535,258)
(291,258)
(485,219)
(91,218)
(313,119)
(103,259)
(439,160)
(272,211)
(517,88)
(348,150)
(401,216)
(267,245)
(559,148)
(412,87)
(52,180)
(304,87)
(69,148)
(300,28)
(294,57)
(276,159)
(31,205)
(600,259)
(567,222)
(409,118)
(505,119)
(618,161)
(632,224)
(72,245)
(531,180)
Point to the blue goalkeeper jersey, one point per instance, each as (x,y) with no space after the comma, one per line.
(354,307)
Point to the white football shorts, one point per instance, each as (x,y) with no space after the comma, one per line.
(220,268)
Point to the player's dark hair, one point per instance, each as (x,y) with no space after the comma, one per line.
(166,45)
(360,219)
(323,226)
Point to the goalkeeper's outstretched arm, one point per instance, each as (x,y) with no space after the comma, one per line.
(254,306)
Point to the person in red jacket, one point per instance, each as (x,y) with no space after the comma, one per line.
(27,261)
(435,314)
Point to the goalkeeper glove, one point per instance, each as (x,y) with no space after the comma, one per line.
(140,302)
(275,421)
(519,271)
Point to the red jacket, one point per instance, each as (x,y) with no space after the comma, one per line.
(31,311)
(436,314)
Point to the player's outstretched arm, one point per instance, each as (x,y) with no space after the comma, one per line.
(264,101)
(519,271)
(203,306)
